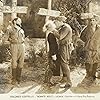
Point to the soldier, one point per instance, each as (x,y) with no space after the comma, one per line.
(91,37)
(15,36)
(65,48)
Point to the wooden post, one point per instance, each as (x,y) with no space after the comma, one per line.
(13,9)
(47,18)
(1,14)
(49,8)
(48,12)
(14,4)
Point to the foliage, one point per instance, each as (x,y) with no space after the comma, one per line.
(4,53)
(35,52)
(33,23)
(67,6)
(72,10)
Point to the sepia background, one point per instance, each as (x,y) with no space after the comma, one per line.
(35,55)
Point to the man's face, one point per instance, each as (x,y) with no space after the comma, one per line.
(93,22)
(18,21)
(58,23)
(49,26)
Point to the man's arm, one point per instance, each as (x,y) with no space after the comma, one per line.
(21,31)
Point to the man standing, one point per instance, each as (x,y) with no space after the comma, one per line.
(15,35)
(91,37)
(65,48)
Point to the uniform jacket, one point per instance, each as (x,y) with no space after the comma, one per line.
(92,44)
(14,35)
(65,41)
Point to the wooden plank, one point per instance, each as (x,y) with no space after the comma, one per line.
(34,90)
(18,90)
(14,9)
(7,9)
(18,9)
(29,88)
(43,11)
(49,8)
(21,9)
(86,15)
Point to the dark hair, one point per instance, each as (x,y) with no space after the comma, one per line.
(14,20)
(16,24)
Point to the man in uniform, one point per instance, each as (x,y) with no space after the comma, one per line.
(91,37)
(65,48)
(15,35)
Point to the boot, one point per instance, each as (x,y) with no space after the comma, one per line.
(86,79)
(87,67)
(18,77)
(13,76)
(94,69)
(65,82)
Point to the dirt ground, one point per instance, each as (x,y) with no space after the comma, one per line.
(33,77)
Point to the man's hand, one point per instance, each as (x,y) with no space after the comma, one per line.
(54,57)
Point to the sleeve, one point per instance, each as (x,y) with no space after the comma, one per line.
(57,35)
(53,47)
(68,36)
(21,31)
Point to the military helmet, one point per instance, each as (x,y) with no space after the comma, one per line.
(61,18)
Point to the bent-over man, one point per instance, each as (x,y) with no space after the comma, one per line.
(53,53)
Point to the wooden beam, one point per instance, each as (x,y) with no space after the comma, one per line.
(14,4)
(46,12)
(13,9)
(18,9)
(49,8)
(1,14)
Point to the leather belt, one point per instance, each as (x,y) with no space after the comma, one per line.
(17,42)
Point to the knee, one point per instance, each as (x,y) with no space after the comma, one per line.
(14,64)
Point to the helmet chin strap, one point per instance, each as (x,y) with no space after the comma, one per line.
(19,25)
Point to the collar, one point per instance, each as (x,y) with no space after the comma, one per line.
(17,27)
